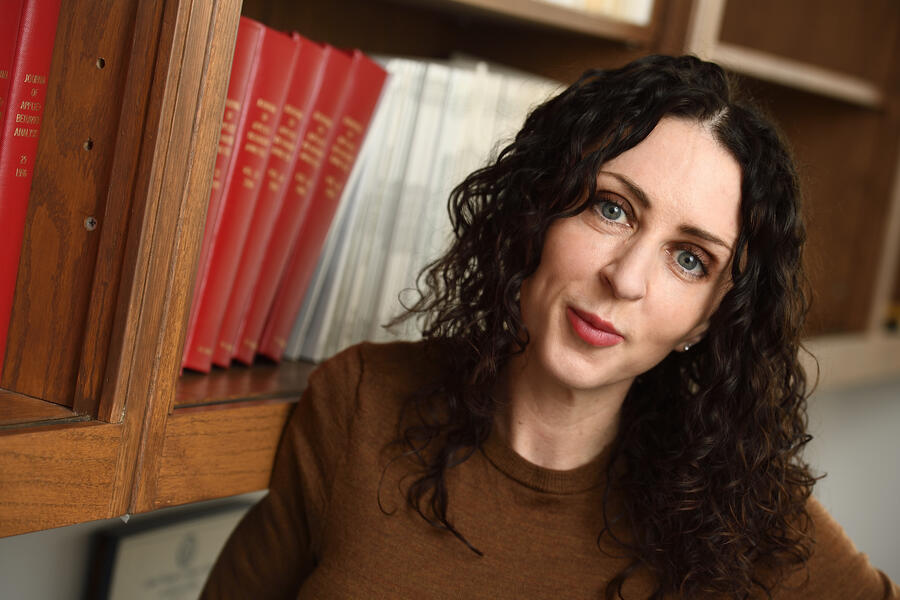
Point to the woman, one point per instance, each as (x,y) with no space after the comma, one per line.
(608,401)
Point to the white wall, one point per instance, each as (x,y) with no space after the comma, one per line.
(856,444)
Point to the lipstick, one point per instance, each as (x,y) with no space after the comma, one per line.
(592,329)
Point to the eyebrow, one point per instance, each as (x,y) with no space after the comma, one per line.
(641,196)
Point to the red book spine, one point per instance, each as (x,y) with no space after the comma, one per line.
(21,127)
(269,84)
(357,105)
(9,34)
(246,49)
(285,147)
(316,131)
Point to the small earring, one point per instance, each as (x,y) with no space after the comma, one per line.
(687,347)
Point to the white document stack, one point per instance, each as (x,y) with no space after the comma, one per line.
(436,123)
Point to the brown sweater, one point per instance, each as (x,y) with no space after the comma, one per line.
(320,533)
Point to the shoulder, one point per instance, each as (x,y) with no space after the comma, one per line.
(401,366)
(836,568)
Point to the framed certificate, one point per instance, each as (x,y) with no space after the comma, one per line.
(161,558)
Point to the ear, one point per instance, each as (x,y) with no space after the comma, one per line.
(693,336)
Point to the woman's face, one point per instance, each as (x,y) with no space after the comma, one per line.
(637,275)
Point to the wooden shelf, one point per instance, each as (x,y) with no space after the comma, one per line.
(543,14)
(19,410)
(852,359)
(216,452)
(57,475)
(704,41)
(222,435)
(241,384)
(798,75)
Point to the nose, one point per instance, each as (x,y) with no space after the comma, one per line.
(628,271)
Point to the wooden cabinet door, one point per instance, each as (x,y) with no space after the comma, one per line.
(122,177)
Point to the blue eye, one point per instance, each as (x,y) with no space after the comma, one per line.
(690,262)
(611,211)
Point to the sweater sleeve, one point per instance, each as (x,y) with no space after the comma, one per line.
(837,570)
(275,546)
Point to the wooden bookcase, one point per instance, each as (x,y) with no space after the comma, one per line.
(95,419)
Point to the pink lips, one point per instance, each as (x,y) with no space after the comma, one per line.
(592,329)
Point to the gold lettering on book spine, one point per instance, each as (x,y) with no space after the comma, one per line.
(261,128)
(266,105)
(251,176)
(331,186)
(312,150)
(302,184)
(352,123)
(281,154)
(35,79)
(26,132)
(257,138)
(345,146)
(322,119)
(28,119)
(274,178)
(293,111)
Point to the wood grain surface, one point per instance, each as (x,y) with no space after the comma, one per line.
(173,191)
(854,38)
(56,475)
(215,453)
(47,328)
(259,382)
(16,409)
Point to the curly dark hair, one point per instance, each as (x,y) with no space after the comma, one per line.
(708,448)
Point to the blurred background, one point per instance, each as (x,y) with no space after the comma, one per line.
(463,74)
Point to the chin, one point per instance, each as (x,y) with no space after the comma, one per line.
(575,370)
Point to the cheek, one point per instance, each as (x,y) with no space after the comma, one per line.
(678,311)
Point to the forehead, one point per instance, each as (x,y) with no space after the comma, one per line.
(686,175)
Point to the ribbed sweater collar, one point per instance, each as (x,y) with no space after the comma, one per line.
(514,466)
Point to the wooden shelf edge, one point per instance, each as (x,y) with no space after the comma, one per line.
(57,475)
(795,74)
(19,410)
(852,359)
(558,17)
(238,384)
(703,40)
(889,263)
(220,452)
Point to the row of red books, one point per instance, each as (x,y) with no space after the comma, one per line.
(295,116)
(27,33)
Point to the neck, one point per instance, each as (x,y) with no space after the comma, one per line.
(554,426)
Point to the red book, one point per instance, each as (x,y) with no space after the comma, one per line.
(246,49)
(356,107)
(21,126)
(315,135)
(9,33)
(270,75)
(285,148)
